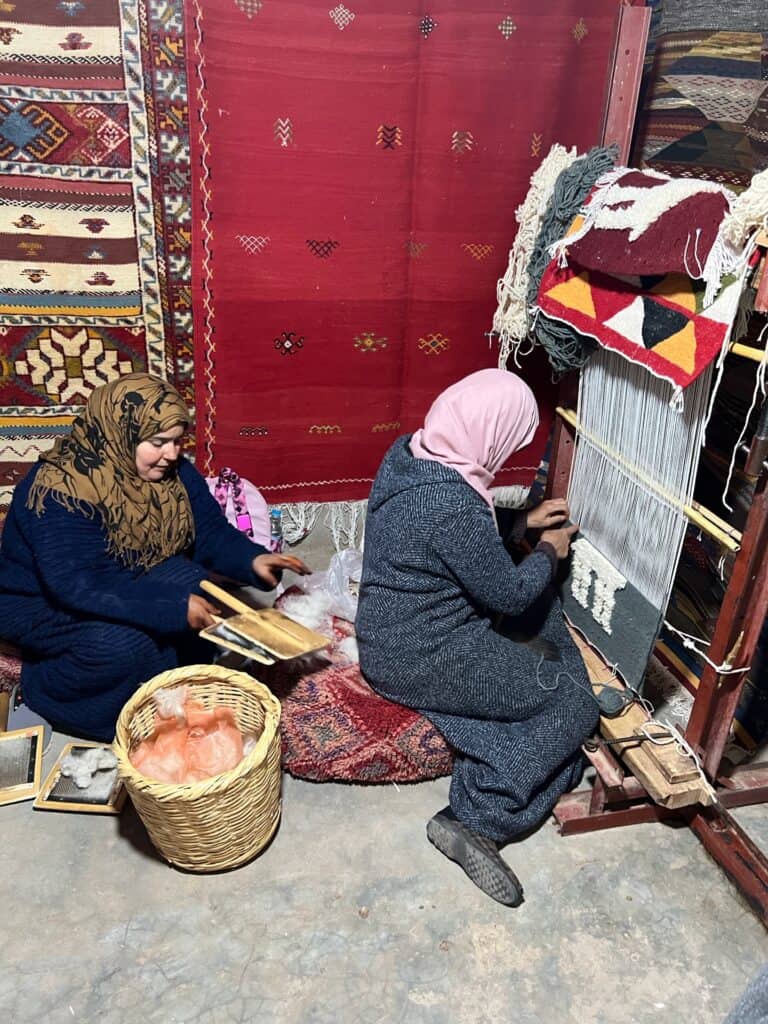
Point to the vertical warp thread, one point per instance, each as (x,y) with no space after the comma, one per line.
(635,468)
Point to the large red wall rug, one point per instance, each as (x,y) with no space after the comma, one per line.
(356,172)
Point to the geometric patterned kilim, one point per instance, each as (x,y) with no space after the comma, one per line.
(705,112)
(94,210)
(335,728)
(657,322)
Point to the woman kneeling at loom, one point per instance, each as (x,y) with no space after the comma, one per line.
(436,577)
(103,551)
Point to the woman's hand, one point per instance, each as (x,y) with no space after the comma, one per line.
(560,539)
(200,612)
(267,566)
(548,514)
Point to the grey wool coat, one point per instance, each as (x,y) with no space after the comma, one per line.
(436,579)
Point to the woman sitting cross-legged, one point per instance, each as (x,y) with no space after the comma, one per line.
(103,551)
(436,579)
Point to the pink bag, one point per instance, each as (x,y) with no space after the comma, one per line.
(242,504)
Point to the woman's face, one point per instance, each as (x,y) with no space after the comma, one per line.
(156,456)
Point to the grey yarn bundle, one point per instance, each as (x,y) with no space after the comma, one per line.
(565,347)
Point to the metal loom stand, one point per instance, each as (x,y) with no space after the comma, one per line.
(617,798)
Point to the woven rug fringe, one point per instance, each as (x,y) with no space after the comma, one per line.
(510,320)
(565,350)
(345,520)
(513,496)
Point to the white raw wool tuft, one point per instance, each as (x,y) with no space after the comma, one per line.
(348,648)
(310,610)
(170,703)
(748,211)
(83,767)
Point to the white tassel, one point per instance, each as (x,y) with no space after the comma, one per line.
(344,519)
(510,321)
(299,520)
(513,496)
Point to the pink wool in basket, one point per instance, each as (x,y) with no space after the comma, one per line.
(195,745)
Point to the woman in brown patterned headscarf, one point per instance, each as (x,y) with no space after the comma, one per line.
(95,469)
(105,545)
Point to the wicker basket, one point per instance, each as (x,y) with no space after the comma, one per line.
(223,821)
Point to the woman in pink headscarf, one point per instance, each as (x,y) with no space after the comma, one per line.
(437,578)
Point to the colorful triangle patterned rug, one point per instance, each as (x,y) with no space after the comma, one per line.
(657,322)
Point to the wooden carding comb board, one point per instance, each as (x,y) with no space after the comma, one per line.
(294,629)
(105,794)
(220,633)
(271,638)
(21,764)
(270,629)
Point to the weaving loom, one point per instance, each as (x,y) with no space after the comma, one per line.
(623,279)
(627,463)
(632,478)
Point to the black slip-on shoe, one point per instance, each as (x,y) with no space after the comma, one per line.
(478,856)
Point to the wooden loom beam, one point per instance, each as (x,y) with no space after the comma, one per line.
(664,772)
(757,355)
(623,86)
(707,521)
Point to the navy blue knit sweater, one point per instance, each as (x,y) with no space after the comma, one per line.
(90,629)
(62,556)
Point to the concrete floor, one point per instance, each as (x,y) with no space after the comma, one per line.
(351,917)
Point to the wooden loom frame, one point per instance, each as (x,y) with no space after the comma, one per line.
(617,798)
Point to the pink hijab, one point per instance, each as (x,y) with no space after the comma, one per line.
(476,424)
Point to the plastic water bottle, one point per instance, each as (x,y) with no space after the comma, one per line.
(275,530)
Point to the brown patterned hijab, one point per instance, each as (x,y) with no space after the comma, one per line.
(94,470)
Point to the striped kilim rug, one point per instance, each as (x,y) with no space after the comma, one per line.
(705,106)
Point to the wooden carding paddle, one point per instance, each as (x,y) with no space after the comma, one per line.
(269,628)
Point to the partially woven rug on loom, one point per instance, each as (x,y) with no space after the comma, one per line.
(335,728)
(356,171)
(94,211)
(658,322)
(628,643)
